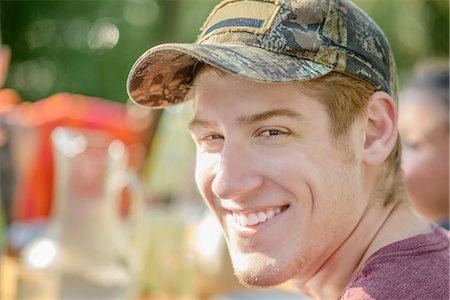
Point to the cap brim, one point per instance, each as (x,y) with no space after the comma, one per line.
(162,75)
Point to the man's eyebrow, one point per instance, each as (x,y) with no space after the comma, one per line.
(259,117)
(279,112)
(194,123)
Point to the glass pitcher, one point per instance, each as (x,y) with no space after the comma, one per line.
(87,249)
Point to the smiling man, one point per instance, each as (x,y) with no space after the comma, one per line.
(297,148)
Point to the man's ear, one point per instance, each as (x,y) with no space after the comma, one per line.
(381,128)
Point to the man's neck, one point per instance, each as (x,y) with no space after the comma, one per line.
(380,226)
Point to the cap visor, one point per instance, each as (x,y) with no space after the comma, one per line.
(161,76)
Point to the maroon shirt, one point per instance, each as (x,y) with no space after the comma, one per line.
(415,268)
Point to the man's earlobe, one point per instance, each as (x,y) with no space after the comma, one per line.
(381,128)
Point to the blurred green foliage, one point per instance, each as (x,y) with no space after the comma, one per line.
(88,47)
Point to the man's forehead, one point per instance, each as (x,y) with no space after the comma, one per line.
(244,119)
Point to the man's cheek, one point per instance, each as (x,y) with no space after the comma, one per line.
(206,168)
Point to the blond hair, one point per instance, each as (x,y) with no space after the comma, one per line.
(346,99)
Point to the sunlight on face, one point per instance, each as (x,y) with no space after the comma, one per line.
(270,170)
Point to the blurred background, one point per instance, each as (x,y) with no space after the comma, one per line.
(87,47)
(68,63)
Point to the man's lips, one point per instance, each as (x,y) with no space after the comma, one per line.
(257,217)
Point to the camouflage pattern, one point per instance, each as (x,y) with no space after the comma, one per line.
(293,40)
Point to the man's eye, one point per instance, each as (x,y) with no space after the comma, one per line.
(211,137)
(210,142)
(272,132)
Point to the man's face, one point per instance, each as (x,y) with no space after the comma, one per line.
(268,167)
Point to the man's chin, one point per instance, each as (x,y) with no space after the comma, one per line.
(258,270)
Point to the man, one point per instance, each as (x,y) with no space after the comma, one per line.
(297,150)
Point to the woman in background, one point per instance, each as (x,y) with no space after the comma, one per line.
(424,128)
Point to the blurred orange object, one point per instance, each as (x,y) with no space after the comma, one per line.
(31,125)
(8,100)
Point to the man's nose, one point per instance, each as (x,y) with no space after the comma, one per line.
(236,173)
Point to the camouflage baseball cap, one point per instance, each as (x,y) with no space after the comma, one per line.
(269,41)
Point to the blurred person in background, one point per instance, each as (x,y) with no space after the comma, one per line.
(424,128)
(298,156)
(5,55)
(4,61)
(8,100)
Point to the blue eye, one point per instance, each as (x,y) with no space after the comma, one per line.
(410,145)
(210,142)
(272,132)
(212,137)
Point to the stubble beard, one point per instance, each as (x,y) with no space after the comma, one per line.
(264,271)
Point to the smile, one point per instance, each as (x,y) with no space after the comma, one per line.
(257,217)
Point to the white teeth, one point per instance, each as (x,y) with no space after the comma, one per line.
(255,217)
(243,220)
(262,216)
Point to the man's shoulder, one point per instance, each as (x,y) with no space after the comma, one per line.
(415,250)
(415,268)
